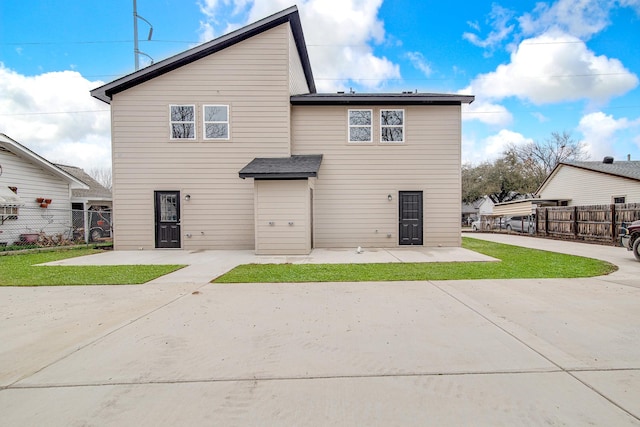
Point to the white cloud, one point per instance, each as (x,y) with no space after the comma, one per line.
(419,62)
(490,148)
(75,128)
(556,68)
(580,18)
(338,34)
(600,133)
(499,18)
(484,111)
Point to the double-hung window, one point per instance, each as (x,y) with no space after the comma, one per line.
(215,121)
(391,125)
(360,125)
(182,121)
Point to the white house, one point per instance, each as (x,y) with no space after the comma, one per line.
(35,195)
(593,183)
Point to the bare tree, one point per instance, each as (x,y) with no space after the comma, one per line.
(539,158)
(102,175)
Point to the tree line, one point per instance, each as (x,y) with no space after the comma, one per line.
(521,169)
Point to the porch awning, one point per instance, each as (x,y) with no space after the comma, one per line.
(8,198)
(294,167)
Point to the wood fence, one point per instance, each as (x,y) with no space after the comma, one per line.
(599,223)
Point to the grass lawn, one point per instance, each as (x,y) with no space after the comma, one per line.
(19,270)
(516,263)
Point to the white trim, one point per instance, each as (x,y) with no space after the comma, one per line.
(349,126)
(171,122)
(206,122)
(623,196)
(404,117)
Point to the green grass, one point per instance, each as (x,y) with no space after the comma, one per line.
(19,270)
(516,263)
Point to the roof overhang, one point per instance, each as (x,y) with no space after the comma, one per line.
(407,98)
(28,155)
(105,93)
(294,167)
(524,207)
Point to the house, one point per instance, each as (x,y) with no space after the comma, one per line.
(91,208)
(593,183)
(96,196)
(229,146)
(35,195)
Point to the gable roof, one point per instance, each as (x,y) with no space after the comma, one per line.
(95,190)
(28,155)
(290,15)
(294,167)
(629,169)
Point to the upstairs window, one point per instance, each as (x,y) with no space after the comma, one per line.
(216,121)
(360,125)
(183,121)
(391,125)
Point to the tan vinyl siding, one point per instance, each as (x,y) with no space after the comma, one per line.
(252,77)
(279,203)
(297,80)
(350,199)
(585,187)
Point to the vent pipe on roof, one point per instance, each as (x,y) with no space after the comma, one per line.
(607,160)
(628,157)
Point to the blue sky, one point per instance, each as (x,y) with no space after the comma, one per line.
(534,67)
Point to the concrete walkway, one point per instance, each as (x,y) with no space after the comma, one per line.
(186,352)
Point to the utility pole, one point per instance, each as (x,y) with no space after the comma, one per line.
(137,52)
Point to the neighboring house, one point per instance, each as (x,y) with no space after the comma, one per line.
(228,146)
(469,213)
(35,195)
(593,183)
(91,207)
(485,206)
(96,196)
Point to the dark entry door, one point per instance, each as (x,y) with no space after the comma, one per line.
(410,217)
(167,208)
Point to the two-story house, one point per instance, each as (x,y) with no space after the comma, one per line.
(228,146)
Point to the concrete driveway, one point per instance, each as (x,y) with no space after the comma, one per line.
(185,352)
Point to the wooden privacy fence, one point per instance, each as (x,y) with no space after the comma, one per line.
(599,223)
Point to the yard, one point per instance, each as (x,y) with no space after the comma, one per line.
(516,263)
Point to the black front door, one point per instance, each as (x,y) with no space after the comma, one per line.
(167,209)
(410,217)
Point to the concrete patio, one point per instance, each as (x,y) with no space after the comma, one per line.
(182,351)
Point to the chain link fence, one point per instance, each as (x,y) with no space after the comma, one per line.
(26,226)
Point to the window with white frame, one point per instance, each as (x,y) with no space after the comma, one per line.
(619,199)
(360,125)
(391,125)
(182,121)
(215,121)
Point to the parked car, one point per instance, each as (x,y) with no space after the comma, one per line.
(487,224)
(521,224)
(100,225)
(630,238)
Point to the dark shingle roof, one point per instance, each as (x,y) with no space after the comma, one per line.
(294,167)
(626,169)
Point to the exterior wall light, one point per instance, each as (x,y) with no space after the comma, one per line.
(187,197)
(389,197)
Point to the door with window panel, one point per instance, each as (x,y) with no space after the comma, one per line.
(167,219)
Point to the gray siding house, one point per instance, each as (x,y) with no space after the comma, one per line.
(228,146)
